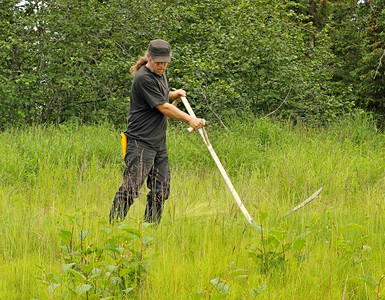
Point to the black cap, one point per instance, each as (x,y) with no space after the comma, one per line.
(159,50)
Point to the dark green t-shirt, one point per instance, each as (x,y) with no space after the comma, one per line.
(145,122)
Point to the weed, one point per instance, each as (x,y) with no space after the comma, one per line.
(93,271)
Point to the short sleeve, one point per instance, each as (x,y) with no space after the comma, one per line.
(152,92)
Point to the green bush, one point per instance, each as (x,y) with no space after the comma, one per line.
(61,60)
(95,269)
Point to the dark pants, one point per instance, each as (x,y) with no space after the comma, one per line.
(141,163)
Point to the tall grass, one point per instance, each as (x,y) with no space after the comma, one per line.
(330,249)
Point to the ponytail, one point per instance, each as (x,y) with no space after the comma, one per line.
(141,61)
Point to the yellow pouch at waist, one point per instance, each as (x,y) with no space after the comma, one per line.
(124,143)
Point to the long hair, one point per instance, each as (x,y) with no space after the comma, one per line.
(141,61)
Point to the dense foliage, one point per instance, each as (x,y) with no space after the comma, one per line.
(314,60)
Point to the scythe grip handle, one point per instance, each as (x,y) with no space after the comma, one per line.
(175,103)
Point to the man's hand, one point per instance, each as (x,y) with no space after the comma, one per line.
(176,95)
(196,123)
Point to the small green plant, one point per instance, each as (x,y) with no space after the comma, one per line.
(219,287)
(276,247)
(92,271)
(373,284)
(256,292)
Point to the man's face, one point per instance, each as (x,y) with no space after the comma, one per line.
(157,67)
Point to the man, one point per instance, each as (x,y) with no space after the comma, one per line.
(147,156)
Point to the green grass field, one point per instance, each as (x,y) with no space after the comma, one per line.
(57,185)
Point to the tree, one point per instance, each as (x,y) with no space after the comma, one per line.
(371,71)
(15,85)
(253,56)
(70,59)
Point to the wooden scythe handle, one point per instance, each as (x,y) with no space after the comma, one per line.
(190,129)
(203,134)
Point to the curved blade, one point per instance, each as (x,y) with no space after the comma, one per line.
(302,204)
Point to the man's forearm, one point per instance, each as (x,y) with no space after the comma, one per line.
(173,112)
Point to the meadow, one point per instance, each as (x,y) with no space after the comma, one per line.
(57,186)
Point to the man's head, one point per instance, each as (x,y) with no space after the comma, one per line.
(160,51)
(159,55)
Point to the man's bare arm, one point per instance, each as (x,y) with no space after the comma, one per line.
(173,112)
